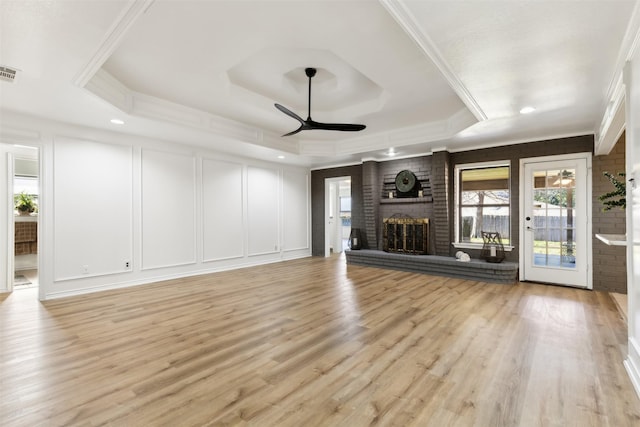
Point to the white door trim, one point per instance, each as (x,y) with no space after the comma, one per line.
(10,224)
(587,156)
(327,196)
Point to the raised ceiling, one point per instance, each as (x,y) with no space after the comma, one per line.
(422,75)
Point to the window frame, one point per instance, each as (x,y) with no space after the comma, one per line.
(459,168)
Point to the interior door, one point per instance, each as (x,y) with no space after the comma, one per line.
(555,239)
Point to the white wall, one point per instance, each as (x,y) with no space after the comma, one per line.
(168,204)
(296,211)
(92,205)
(632,103)
(167,209)
(262,210)
(223,224)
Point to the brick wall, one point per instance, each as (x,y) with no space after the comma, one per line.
(366,185)
(371,197)
(421,166)
(609,262)
(441,180)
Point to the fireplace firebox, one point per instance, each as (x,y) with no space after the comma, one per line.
(407,235)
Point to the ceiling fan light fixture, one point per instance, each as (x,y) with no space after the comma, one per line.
(310,124)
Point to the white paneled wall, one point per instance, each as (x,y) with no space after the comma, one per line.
(295,210)
(632,114)
(168,209)
(92,193)
(262,210)
(223,213)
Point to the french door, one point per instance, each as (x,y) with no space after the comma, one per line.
(556,244)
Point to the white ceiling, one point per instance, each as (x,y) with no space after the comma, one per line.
(422,75)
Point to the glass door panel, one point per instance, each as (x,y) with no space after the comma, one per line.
(554,196)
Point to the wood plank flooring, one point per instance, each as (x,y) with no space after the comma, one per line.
(311,342)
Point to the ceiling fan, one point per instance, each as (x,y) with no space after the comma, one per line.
(310,124)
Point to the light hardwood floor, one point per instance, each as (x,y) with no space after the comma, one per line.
(314,342)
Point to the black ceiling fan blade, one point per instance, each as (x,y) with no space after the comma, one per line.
(290,113)
(344,127)
(309,124)
(295,131)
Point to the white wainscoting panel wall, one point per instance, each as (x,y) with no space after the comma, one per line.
(262,210)
(168,209)
(295,211)
(222,210)
(92,185)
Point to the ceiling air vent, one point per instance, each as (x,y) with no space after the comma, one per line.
(7,74)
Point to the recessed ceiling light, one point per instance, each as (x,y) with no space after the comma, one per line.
(281,156)
(391,152)
(117,121)
(527,110)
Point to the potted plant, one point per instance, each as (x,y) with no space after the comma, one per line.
(24,203)
(617,197)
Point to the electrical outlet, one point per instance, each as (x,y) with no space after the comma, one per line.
(127,264)
(85,269)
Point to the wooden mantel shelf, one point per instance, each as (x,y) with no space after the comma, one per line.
(613,239)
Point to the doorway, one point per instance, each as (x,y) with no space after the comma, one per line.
(556,197)
(337,214)
(20,217)
(26,191)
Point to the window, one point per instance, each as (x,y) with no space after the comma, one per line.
(482,202)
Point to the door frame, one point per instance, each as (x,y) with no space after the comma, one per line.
(327,196)
(11,157)
(587,156)
(10,225)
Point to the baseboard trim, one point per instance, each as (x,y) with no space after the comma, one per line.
(632,364)
(163,277)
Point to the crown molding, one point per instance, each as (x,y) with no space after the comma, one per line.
(109,89)
(411,135)
(112,38)
(612,122)
(15,135)
(399,11)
